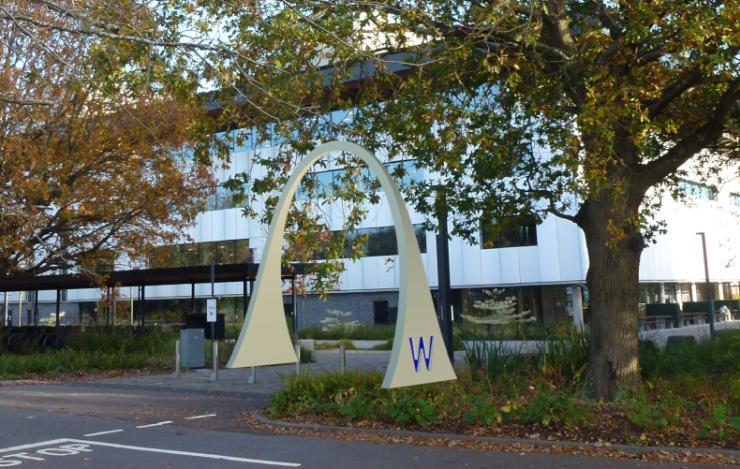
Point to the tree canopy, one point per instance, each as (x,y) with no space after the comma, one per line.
(582,109)
(92,140)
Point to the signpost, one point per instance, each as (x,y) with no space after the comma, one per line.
(211,318)
(211,315)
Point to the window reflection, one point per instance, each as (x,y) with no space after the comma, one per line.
(194,254)
(493,236)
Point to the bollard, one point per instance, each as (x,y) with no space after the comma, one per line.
(214,355)
(298,355)
(342,358)
(252,375)
(177,359)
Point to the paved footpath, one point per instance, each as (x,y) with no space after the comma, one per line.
(144,422)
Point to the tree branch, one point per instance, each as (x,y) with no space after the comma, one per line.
(606,18)
(704,136)
(13,99)
(7,15)
(693,77)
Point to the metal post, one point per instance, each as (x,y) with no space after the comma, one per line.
(342,357)
(710,296)
(113,307)
(131,303)
(177,359)
(20,308)
(142,299)
(213,279)
(192,298)
(295,309)
(36,308)
(444,295)
(298,355)
(214,342)
(58,307)
(245,299)
(7,309)
(107,306)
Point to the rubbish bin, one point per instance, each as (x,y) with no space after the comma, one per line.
(192,348)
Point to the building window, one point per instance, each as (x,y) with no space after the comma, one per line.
(735,199)
(404,172)
(493,236)
(221,199)
(380,241)
(232,251)
(696,190)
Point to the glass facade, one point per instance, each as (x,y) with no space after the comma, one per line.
(222,199)
(493,237)
(696,190)
(405,172)
(381,241)
(231,251)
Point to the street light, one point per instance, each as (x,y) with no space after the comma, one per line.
(710,298)
(444,291)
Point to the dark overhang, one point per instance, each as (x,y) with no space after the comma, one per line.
(144,277)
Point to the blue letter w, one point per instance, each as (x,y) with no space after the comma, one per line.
(421,351)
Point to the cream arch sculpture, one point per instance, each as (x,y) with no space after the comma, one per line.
(418,356)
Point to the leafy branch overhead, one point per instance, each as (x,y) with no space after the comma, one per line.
(91,139)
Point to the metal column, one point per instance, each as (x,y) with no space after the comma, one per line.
(245,298)
(295,307)
(58,307)
(710,293)
(444,293)
(192,298)
(142,299)
(35,308)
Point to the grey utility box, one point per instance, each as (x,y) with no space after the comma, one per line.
(192,348)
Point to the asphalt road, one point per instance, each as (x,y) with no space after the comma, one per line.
(73,426)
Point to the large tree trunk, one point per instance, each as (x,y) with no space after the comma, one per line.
(614,294)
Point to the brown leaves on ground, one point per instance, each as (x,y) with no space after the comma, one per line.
(472,440)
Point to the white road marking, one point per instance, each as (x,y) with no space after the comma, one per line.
(165,422)
(33,445)
(196,417)
(107,432)
(187,453)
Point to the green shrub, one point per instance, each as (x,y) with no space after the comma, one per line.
(721,423)
(550,407)
(387,345)
(405,408)
(494,358)
(566,353)
(717,356)
(307,355)
(480,409)
(325,393)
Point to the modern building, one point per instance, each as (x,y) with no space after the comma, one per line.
(543,267)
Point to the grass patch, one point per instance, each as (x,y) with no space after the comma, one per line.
(94,350)
(72,361)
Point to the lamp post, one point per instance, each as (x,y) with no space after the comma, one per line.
(710,296)
(444,292)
